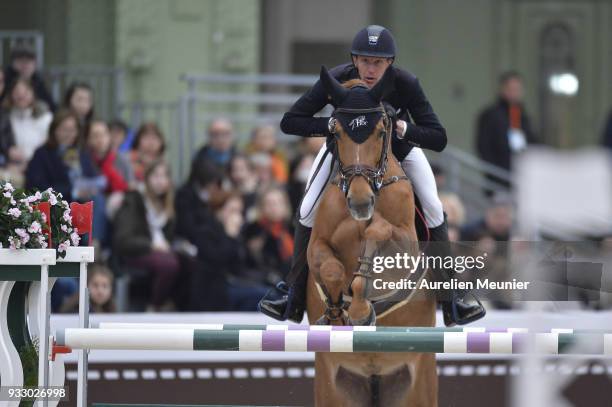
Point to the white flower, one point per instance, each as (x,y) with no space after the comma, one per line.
(34,227)
(15,212)
(61,247)
(8,187)
(52,199)
(13,202)
(25,238)
(42,242)
(44,217)
(64,228)
(7,194)
(14,243)
(74,236)
(67,216)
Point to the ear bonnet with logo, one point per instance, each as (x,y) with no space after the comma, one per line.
(358,109)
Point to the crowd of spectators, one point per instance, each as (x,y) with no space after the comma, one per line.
(217,241)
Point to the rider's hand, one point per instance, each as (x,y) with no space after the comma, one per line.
(400,129)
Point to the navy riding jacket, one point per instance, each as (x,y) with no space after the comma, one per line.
(423,126)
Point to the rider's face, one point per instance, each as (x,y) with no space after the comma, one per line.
(371,69)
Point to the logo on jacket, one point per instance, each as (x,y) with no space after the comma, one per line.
(357,122)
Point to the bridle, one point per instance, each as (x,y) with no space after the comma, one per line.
(373,175)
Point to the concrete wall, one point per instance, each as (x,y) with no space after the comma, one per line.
(157,41)
(458,49)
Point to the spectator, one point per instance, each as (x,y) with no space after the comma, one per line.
(222,256)
(148,147)
(496,224)
(262,168)
(270,239)
(10,167)
(194,198)
(606,140)
(144,233)
(100,287)
(60,164)
(29,118)
(263,140)
(119,135)
(244,181)
(7,140)
(455,214)
(79,98)
(193,212)
(23,66)
(113,166)
(301,167)
(504,128)
(440,176)
(220,147)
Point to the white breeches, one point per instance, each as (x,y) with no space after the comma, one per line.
(416,167)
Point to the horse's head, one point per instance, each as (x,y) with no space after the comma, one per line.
(362,139)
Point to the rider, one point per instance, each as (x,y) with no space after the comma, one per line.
(373,50)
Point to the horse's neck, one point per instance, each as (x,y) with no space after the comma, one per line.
(393,166)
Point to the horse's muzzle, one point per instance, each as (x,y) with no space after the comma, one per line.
(362,210)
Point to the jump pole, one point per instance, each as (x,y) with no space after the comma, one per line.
(334,341)
(281,327)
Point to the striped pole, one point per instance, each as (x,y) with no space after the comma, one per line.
(280,327)
(333,341)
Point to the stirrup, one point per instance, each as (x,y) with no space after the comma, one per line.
(455,313)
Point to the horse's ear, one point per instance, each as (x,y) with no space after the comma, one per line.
(333,88)
(385,85)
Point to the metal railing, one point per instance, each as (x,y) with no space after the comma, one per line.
(468,177)
(267,96)
(248,100)
(107,82)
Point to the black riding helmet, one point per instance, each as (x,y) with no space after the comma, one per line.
(374,41)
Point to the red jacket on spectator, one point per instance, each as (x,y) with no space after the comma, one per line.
(116,181)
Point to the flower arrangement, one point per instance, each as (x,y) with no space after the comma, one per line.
(23,226)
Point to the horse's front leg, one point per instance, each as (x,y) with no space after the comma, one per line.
(361,311)
(328,269)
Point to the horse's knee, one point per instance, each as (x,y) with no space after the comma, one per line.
(379,231)
(332,271)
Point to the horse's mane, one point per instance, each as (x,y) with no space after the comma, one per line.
(351,83)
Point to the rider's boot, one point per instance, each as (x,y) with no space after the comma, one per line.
(454,307)
(288,299)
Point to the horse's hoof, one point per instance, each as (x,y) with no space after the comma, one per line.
(369,320)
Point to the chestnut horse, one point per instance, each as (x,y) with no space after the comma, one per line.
(371,201)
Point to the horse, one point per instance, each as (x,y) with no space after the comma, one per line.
(371,200)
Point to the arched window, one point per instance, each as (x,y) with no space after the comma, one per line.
(558,83)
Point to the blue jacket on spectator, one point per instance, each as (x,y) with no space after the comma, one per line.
(48,169)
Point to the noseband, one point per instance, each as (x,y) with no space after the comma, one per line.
(373,175)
